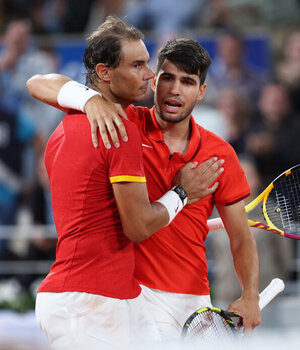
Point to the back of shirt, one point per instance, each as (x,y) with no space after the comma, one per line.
(93,255)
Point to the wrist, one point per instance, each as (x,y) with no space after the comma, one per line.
(181,192)
(174,201)
(251,293)
(74,95)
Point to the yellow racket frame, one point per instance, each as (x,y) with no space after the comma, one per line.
(263,197)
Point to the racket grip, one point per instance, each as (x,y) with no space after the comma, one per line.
(215,224)
(269,293)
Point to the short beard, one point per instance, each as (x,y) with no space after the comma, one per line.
(178,119)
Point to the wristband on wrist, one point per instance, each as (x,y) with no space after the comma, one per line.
(74,95)
(173,203)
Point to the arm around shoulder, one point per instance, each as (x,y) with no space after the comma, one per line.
(45,88)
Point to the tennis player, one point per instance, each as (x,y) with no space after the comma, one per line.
(171,265)
(91,299)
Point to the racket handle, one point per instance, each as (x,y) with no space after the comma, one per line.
(269,293)
(215,224)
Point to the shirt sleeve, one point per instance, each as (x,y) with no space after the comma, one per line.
(233,185)
(126,162)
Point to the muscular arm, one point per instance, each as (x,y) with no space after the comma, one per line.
(46,88)
(140,218)
(245,260)
(101,113)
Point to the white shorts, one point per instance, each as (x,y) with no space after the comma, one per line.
(74,320)
(171,310)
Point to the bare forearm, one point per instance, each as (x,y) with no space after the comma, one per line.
(245,260)
(46,87)
(243,247)
(246,265)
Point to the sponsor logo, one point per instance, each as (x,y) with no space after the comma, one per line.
(176,210)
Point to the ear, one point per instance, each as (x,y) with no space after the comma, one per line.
(103,72)
(201,92)
(153,83)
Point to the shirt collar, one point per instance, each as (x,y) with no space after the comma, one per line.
(155,133)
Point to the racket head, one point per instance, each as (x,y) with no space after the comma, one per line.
(211,325)
(281,204)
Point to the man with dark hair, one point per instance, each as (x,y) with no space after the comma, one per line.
(171,265)
(188,55)
(91,299)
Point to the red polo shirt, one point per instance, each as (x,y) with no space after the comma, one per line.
(93,255)
(174,258)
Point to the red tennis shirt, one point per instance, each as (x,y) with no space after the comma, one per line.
(174,259)
(92,255)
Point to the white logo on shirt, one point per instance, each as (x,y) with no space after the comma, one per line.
(146,145)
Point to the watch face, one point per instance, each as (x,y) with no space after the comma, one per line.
(181,192)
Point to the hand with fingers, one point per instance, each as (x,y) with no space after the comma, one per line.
(248,310)
(106,116)
(199,181)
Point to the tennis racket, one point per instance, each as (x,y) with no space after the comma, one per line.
(211,324)
(280,206)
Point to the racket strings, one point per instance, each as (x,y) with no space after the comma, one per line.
(210,325)
(283,203)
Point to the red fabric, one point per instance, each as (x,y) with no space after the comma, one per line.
(93,255)
(174,258)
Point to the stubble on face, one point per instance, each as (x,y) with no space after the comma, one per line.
(176,93)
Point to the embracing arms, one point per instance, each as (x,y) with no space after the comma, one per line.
(141,218)
(101,113)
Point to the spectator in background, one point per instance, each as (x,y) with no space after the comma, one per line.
(19,60)
(273,138)
(229,118)
(287,70)
(22,130)
(164,17)
(16,130)
(11,142)
(41,247)
(216,14)
(100,9)
(66,16)
(236,110)
(229,69)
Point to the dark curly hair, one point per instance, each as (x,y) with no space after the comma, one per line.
(104,45)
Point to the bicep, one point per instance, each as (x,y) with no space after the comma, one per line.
(131,198)
(140,218)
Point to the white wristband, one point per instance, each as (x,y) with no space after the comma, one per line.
(75,96)
(172,202)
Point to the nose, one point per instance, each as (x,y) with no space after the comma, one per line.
(175,88)
(148,74)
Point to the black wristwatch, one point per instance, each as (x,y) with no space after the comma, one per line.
(181,193)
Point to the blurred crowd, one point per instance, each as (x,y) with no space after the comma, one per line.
(255,109)
(76,16)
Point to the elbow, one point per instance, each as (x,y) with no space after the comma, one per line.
(137,234)
(33,84)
